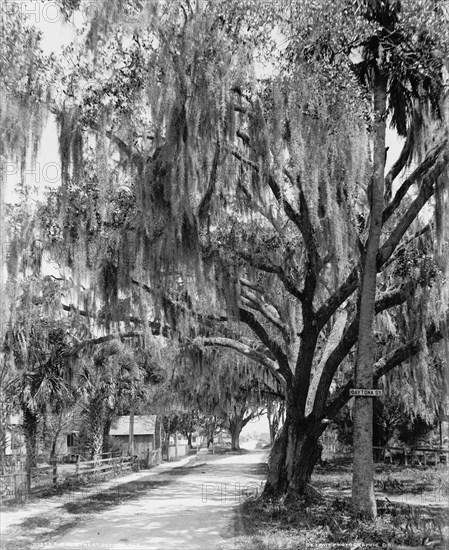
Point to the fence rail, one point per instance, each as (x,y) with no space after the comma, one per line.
(19,485)
(422,456)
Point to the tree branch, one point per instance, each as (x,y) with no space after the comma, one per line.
(86,344)
(399,165)
(134,156)
(245,350)
(266,296)
(385,365)
(290,212)
(156,327)
(264,309)
(426,190)
(347,341)
(249,319)
(428,163)
(342,293)
(403,247)
(182,307)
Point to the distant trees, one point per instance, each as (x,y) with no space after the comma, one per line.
(226,386)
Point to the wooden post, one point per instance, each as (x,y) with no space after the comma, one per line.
(55,471)
(405,457)
(77,467)
(28,475)
(176,445)
(15,485)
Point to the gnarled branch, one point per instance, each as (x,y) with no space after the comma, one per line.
(385,365)
(245,350)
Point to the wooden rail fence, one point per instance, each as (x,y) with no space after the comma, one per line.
(19,485)
(422,456)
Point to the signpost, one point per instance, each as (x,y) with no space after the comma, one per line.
(365,393)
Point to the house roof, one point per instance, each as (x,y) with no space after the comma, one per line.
(143,425)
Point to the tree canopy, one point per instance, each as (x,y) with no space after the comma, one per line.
(221,163)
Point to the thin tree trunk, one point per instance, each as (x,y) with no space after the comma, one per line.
(363,499)
(54,444)
(271,423)
(3,434)
(106,430)
(157,433)
(131,431)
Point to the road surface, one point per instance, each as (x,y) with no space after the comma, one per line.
(194,511)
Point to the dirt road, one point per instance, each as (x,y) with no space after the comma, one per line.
(190,508)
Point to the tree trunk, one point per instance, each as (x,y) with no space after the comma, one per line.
(54,444)
(95,423)
(189,439)
(294,455)
(30,428)
(157,433)
(363,499)
(106,429)
(3,434)
(235,429)
(340,318)
(131,431)
(273,416)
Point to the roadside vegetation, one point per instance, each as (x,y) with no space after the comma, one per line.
(411,502)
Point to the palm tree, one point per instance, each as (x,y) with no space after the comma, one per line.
(405,78)
(38,384)
(106,383)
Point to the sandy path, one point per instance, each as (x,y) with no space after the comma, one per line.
(193,512)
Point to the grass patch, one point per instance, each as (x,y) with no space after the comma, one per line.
(400,479)
(225,450)
(388,480)
(39,529)
(270,525)
(264,525)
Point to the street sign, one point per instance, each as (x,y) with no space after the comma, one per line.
(365,393)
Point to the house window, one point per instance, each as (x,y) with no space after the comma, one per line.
(71,440)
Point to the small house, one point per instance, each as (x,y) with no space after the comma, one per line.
(145,438)
(14,438)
